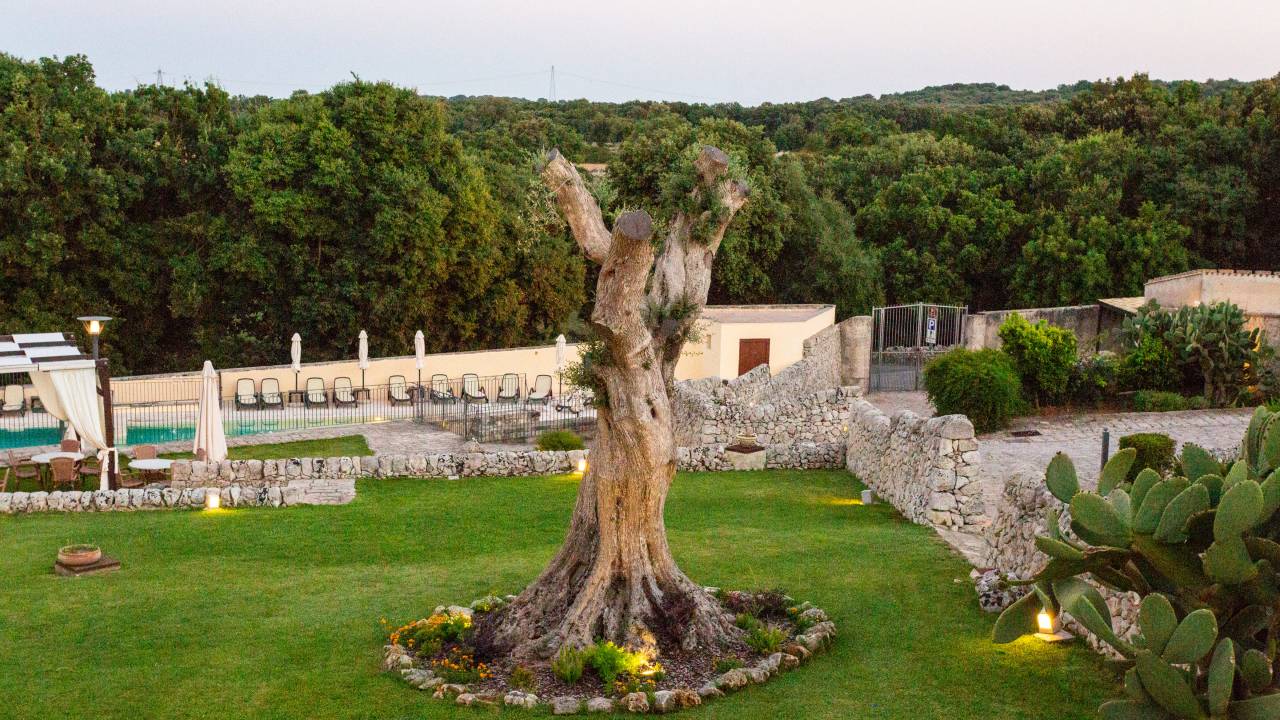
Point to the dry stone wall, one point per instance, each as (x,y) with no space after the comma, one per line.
(777,410)
(317,491)
(926,468)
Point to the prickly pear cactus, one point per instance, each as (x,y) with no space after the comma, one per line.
(1201,548)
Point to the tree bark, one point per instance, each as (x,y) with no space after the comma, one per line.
(614,578)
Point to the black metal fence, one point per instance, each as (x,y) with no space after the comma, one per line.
(162,410)
(503,408)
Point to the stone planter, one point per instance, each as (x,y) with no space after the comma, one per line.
(79,555)
(745,459)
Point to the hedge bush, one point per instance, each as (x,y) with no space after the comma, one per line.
(560,440)
(1155,451)
(981,384)
(1043,355)
(1150,366)
(1093,379)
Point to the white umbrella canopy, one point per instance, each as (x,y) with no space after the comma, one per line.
(419,349)
(560,353)
(210,435)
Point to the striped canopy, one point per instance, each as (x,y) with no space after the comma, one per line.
(41,351)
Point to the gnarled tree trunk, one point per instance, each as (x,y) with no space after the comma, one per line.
(614,577)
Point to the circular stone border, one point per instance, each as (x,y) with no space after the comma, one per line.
(795,651)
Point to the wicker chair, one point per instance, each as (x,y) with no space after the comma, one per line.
(69,446)
(63,475)
(144,452)
(22,471)
(89,468)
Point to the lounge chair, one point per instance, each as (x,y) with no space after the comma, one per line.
(541,392)
(271,397)
(315,394)
(342,394)
(575,403)
(441,390)
(509,388)
(471,390)
(63,475)
(246,396)
(397,392)
(14,402)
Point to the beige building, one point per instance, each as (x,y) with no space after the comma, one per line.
(737,338)
(1256,292)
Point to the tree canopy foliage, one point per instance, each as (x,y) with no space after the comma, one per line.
(217,226)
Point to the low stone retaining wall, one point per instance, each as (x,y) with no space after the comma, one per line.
(1020,517)
(926,468)
(303,492)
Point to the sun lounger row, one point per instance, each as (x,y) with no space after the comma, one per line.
(399,391)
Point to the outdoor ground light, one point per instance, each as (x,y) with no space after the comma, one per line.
(212,501)
(1050,626)
(582,465)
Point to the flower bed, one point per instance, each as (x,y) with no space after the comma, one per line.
(432,654)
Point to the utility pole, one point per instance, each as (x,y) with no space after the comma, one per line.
(159,77)
(553,83)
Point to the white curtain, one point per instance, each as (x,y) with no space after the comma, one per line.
(77,393)
(48,396)
(210,434)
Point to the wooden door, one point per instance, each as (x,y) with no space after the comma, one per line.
(752,352)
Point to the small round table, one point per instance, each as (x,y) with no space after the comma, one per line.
(45,458)
(153,464)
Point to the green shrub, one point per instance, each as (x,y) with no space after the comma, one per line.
(1158,401)
(981,384)
(568,664)
(1042,354)
(725,664)
(1155,451)
(609,661)
(560,440)
(1093,379)
(522,678)
(765,639)
(1149,366)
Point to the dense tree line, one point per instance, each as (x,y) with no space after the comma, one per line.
(216,226)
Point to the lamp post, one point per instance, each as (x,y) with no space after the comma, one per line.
(93,325)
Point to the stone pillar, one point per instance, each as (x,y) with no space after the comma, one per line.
(855,352)
(975,331)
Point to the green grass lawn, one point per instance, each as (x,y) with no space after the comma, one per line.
(273,613)
(343,446)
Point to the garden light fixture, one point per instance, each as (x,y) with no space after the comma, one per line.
(212,500)
(1050,626)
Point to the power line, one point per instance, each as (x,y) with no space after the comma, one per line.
(640,87)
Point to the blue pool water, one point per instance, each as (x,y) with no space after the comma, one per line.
(153,434)
(29,437)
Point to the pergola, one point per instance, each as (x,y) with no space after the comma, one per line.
(72,387)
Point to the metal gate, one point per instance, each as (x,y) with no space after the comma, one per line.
(905,337)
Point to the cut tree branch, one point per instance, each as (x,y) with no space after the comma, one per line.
(578,206)
(621,286)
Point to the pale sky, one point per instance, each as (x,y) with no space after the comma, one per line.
(750,51)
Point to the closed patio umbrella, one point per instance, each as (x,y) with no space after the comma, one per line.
(210,435)
(560,353)
(295,352)
(363,355)
(419,355)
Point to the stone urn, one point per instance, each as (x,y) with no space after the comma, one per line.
(79,555)
(745,453)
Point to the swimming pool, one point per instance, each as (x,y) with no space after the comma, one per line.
(154,434)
